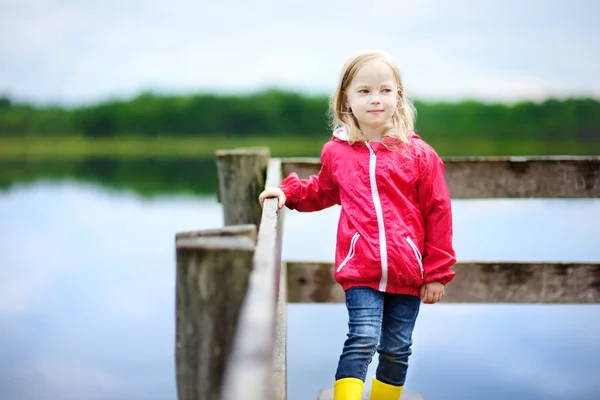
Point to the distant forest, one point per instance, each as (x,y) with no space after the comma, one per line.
(279,113)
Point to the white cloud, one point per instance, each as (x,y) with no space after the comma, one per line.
(57,266)
(73,51)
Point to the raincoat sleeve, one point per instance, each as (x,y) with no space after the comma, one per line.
(315,193)
(434,201)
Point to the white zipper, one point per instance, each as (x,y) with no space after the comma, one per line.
(417,254)
(350,252)
(379,213)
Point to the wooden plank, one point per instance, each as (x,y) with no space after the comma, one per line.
(503,177)
(279,376)
(249,373)
(312,283)
(241,178)
(520,177)
(247,230)
(211,280)
(481,282)
(327,394)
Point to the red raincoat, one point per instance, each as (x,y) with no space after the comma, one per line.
(395,227)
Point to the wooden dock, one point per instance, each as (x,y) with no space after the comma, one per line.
(327,394)
(232,287)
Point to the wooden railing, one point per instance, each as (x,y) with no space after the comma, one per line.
(232,287)
(231,296)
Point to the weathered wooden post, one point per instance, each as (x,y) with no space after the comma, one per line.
(242,176)
(213,269)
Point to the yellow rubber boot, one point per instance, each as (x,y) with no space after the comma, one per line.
(383,391)
(348,389)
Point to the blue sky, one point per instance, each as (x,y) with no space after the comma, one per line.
(80,51)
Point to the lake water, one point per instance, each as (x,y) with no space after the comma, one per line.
(87,300)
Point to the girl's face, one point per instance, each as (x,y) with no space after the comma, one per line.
(373,97)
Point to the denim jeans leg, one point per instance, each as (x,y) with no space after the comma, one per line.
(399,317)
(365,313)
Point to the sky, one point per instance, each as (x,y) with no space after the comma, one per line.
(81,51)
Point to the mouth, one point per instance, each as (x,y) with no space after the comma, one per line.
(375,111)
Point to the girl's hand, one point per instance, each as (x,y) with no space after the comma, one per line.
(272,192)
(432,292)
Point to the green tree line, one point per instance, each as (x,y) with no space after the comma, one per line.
(280,113)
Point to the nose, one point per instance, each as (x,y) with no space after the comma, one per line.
(375,99)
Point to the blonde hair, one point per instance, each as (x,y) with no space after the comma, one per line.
(403,119)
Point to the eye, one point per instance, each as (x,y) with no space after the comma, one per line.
(363,91)
(387,90)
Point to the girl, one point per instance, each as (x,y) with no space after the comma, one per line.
(394,238)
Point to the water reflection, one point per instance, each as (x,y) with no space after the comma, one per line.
(87,300)
(146,176)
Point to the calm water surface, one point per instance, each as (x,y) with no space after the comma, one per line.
(87,300)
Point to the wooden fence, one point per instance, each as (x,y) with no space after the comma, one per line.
(232,287)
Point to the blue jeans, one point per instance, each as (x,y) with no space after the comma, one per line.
(381,322)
